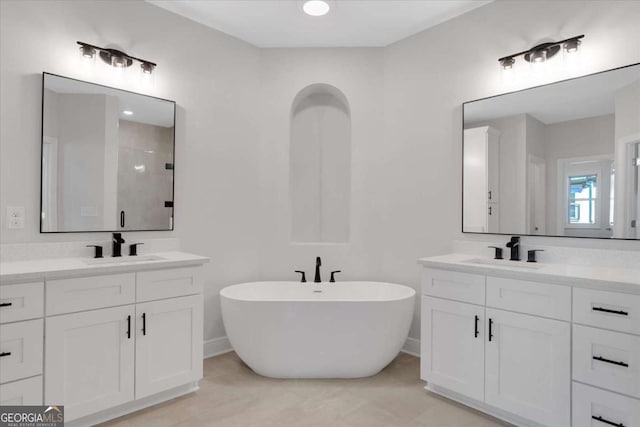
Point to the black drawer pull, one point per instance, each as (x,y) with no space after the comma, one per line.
(490,329)
(129,326)
(606,310)
(5,354)
(613,362)
(6,304)
(606,421)
(144,323)
(476,331)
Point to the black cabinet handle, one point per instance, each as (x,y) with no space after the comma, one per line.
(129,326)
(606,310)
(476,331)
(613,362)
(144,323)
(490,211)
(5,354)
(6,304)
(606,421)
(490,195)
(122,219)
(490,329)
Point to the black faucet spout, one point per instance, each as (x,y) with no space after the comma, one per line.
(514,245)
(117,244)
(317,278)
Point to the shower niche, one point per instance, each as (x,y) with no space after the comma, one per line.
(320,165)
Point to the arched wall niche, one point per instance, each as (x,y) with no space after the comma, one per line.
(320,165)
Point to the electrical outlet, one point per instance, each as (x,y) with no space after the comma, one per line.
(15,217)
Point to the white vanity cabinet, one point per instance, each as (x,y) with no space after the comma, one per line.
(150,341)
(528,350)
(452,346)
(485,351)
(101,341)
(21,348)
(168,344)
(90,358)
(527,366)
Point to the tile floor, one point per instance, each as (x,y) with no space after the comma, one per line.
(231,395)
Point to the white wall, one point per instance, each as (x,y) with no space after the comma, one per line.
(234,102)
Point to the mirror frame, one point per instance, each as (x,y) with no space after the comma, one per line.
(462,161)
(173,172)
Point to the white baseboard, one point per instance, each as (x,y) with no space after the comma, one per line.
(216,347)
(222,345)
(412,347)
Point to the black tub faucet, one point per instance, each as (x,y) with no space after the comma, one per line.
(317,278)
(514,244)
(117,244)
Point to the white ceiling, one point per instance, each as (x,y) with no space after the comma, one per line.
(350,23)
(575,99)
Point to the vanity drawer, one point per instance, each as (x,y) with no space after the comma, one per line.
(606,359)
(21,302)
(595,407)
(161,284)
(539,299)
(23,392)
(609,310)
(453,285)
(88,293)
(21,350)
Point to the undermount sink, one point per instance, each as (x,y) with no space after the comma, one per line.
(503,263)
(123,260)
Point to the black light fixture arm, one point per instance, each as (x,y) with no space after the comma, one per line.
(115,51)
(539,47)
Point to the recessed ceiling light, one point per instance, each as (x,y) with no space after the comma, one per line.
(316,7)
(127,113)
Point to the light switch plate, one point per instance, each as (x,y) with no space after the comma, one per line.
(15,217)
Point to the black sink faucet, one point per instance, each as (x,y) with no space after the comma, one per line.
(317,278)
(117,244)
(514,244)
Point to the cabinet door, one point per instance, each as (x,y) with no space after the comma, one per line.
(89,360)
(528,366)
(452,346)
(168,344)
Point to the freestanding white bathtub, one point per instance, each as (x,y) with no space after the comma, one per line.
(309,330)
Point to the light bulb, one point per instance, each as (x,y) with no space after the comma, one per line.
(316,7)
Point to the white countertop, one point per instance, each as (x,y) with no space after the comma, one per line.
(611,279)
(22,271)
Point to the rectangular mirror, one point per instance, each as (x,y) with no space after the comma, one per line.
(556,160)
(107,158)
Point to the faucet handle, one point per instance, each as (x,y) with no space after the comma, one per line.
(333,279)
(531,255)
(498,254)
(133,249)
(303,279)
(98,252)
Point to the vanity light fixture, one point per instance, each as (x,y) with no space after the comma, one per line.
(316,7)
(115,58)
(542,52)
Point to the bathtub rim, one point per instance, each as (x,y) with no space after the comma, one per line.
(410,295)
